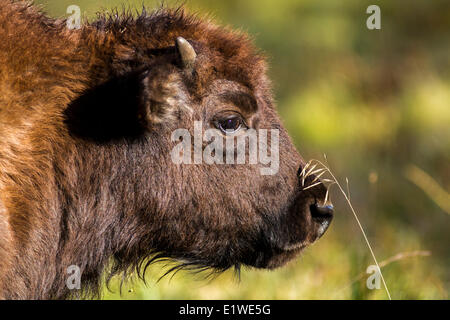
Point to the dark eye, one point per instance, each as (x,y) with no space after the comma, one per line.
(230,125)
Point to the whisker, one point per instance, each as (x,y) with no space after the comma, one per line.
(310,170)
(318,170)
(303,172)
(318,176)
(311,186)
(307,174)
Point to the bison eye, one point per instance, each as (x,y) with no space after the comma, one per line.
(230,125)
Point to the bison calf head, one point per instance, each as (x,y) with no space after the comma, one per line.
(207,214)
(120,183)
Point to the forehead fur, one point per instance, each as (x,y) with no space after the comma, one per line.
(222,52)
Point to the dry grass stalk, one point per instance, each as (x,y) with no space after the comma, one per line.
(425,182)
(307,171)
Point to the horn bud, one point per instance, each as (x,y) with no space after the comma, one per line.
(186,52)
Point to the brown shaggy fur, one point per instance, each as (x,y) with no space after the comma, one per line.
(85,169)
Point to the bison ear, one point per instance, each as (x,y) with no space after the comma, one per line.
(108,111)
(127,106)
(162,96)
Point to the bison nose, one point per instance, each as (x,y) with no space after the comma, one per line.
(321,216)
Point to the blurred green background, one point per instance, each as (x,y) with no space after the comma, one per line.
(377,103)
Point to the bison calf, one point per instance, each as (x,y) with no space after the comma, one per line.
(86,173)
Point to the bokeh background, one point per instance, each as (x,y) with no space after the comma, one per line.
(377,103)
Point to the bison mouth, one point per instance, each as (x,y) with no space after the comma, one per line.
(271,253)
(284,236)
(272,258)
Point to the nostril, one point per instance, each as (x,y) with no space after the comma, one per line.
(322,212)
(322,215)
